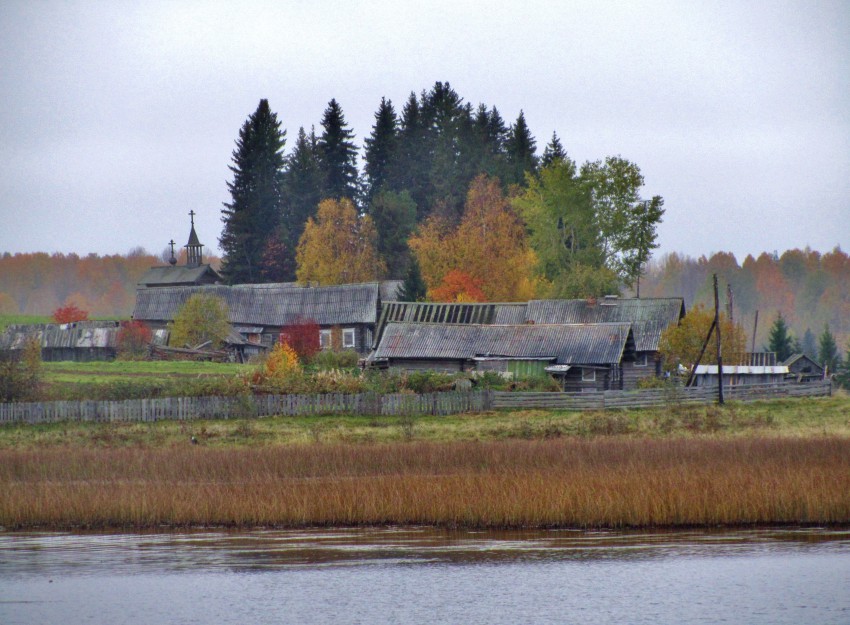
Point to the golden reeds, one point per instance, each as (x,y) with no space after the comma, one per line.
(543,483)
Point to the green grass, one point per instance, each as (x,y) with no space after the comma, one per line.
(792,418)
(69,372)
(7,320)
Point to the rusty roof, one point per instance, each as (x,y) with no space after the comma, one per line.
(601,343)
(269,304)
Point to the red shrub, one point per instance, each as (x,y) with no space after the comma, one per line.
(302,336)
(69,314)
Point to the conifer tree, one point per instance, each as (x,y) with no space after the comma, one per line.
(338,154)
(553,151)
(413,289)
(520,148)
(828,354)
(381,147)
(256,196)
(394,215)
(410,167)
(303,189)
(779,340)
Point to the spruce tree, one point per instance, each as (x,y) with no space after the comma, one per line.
(828,351)
(809,345)
(413,289)
(553,151)
(381,147)
(338,155)
(394,215)
(843,377)
(520,148)
(302,192)
(779,340)
(410,168)
(256,196)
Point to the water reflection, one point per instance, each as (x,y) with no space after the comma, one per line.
(422,575)
(90,553)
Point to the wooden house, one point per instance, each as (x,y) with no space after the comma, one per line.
(586,357)
(648,319)
(802,368)
(346,314)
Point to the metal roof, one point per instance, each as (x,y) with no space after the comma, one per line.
(269,304)
(649,317)
(742,370)
(81,334)
(602,343)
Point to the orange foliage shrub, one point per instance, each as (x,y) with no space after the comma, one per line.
(458,286)
(69,314)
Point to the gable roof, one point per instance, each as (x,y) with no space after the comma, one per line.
(269,304)
(179,275)
(794,358)
(649,317)
(602,343)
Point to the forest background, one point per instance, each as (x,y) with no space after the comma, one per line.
(451,191)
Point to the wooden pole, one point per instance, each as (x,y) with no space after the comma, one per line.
(719,350)
(701,353)
(755,329)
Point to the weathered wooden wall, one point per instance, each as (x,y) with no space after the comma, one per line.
(398,404)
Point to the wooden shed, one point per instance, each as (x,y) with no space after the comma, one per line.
(81,341)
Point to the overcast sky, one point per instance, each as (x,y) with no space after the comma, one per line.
(117,118)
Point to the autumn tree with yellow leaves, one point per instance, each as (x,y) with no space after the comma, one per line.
(680,344)
(339,246)
(489,246)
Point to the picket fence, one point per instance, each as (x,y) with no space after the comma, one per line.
(397,404)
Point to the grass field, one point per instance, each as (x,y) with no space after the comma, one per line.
(89,372)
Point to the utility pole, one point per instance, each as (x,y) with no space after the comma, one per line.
(719,350)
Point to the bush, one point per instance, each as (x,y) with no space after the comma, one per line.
(133,340)
(428,382)
(332,359)
(20,373)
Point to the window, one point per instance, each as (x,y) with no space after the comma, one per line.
(325,339)
(588,375)
(640,360)
(348,338)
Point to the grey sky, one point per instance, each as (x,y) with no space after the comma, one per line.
(118,118)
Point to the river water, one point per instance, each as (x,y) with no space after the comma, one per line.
(422,575)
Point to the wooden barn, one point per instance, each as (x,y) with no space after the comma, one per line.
(346,314)
(585,357)
(802,368)
(81,341)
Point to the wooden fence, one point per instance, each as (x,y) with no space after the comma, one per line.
(397,404)
(647,398)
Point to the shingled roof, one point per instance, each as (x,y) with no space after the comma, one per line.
(269,304)
(649,317)
(602,343)
(179,275)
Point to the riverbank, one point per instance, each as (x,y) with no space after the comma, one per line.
(764,463)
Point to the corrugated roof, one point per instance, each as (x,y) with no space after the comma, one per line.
(269,304)
(81,334)
(567,344)
(649,317)
(390,289)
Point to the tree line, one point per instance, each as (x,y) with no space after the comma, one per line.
(448,196)
(802,296)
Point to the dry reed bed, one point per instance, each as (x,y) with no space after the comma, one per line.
(561,482)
